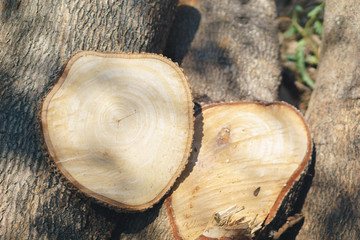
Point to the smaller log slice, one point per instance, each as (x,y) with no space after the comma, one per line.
(246,158)
(120,126)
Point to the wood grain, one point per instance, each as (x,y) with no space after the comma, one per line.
(246,159)
(120,126)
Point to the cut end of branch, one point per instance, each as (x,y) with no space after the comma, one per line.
(120,126)
(250,156)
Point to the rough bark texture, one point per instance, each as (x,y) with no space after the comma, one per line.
(36,39)
(229,49)
(332,206)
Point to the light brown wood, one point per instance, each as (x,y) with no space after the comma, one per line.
(120,126)
(246,158)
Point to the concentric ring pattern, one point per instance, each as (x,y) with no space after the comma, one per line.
(121,127)
(247,154)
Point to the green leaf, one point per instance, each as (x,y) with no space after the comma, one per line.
(312,60)
(318,27)
(299,8)
(291,57)
(300,55)
(315,11)
(300,64)
(291,31)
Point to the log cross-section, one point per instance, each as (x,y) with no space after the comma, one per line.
(246,158)
(120,126)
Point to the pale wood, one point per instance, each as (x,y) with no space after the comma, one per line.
(120,126)
(246,158)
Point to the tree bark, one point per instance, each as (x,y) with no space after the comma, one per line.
(332,206)
(36,39)
(228,49)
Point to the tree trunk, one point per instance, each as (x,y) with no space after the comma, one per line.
(36,39)
(332,206)
(229,49)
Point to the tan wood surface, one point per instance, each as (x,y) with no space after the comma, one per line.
(246,157)
(120,126)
